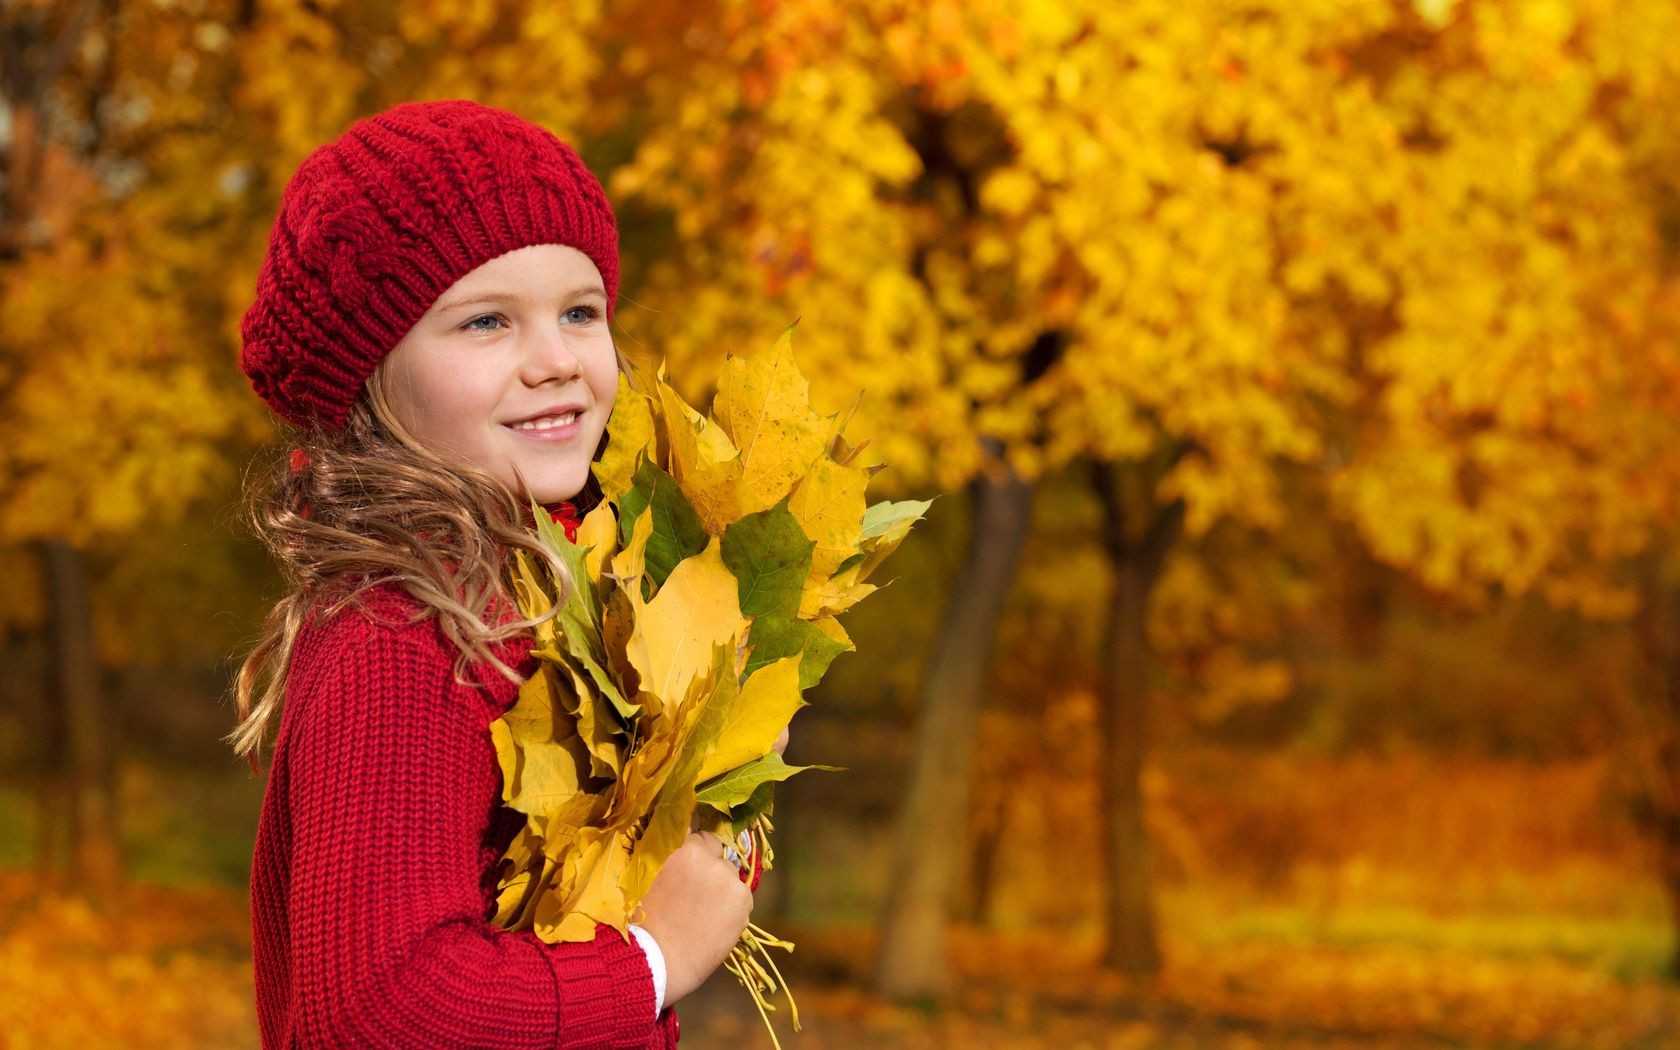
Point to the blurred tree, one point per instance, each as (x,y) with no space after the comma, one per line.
(147,145)
(125,424)
(1518,427)
(1022,234)
(120,415)
(786,144)
(1652,724)
(1188,246)
(38,44)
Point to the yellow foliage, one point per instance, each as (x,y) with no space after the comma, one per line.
(1398,255)
(1345,234)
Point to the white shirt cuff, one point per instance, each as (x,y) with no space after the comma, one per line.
(656,963)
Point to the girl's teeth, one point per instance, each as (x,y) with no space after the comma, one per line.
(546,424)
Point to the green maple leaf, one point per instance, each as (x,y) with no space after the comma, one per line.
(730,789)
(678,532)
(771,556)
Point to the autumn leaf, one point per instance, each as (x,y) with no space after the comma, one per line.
(829,506)
(544,761)
(598,727)
(702,715)
(705,464)
(763,406)
(759,802)
(737,785)
(773,637)
(834,594)
(676,530)
(697,608)
(629,440)
(630,561)
(771,557)
(598,535)
(767,703)
(593,875)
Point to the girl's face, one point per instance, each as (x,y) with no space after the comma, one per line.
(513,369)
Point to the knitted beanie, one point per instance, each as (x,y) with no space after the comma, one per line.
(376,224)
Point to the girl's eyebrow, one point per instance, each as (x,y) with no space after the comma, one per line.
(517,300)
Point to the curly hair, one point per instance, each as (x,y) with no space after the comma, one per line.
(371,504)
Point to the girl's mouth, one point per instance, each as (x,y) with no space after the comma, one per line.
(549,428)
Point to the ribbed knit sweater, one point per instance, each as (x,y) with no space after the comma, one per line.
(374,874)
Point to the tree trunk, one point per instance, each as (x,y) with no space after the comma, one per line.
(988,842)
(1131,944)
(96,866)
(22,170)
(1651,731)
(44,724)
(929,851)
(1668,856)
(52,814)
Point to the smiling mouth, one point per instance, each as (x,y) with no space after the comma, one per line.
(545,423)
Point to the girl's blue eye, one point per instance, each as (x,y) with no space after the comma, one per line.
(589,313)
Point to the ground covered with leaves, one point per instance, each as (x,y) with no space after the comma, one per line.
(170,967)
(1356,902)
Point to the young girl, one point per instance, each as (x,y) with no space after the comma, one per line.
(432,318)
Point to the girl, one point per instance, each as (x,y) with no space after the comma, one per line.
(432,316)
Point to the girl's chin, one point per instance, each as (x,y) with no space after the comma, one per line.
(550,474)
(548,486)
(550,494)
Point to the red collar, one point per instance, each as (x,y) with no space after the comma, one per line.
(565,514)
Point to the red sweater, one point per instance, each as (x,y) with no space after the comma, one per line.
(373,879)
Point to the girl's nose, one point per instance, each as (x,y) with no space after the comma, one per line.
(549,354)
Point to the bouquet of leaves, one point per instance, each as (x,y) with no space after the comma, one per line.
(700,602)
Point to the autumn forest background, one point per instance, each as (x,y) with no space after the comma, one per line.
(1290,656)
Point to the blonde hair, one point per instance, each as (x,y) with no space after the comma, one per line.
(373,504)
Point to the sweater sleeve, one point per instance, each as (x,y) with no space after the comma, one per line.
(656,963)
(389,796)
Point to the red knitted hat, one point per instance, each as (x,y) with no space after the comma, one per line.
(376,224)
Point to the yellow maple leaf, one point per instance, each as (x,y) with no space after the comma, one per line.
(833,596)
(767,701)
(617,619)
(523,861)
(829,506)
(632,434)
(629,563)
(763,406)
(593,870)
(597,724)
(704,463)
(696,722)
(529,593)
(831,627)
(673,635)
(645,771)
(539,772)
(598,532)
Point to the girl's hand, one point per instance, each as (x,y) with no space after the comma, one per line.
(696,910)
